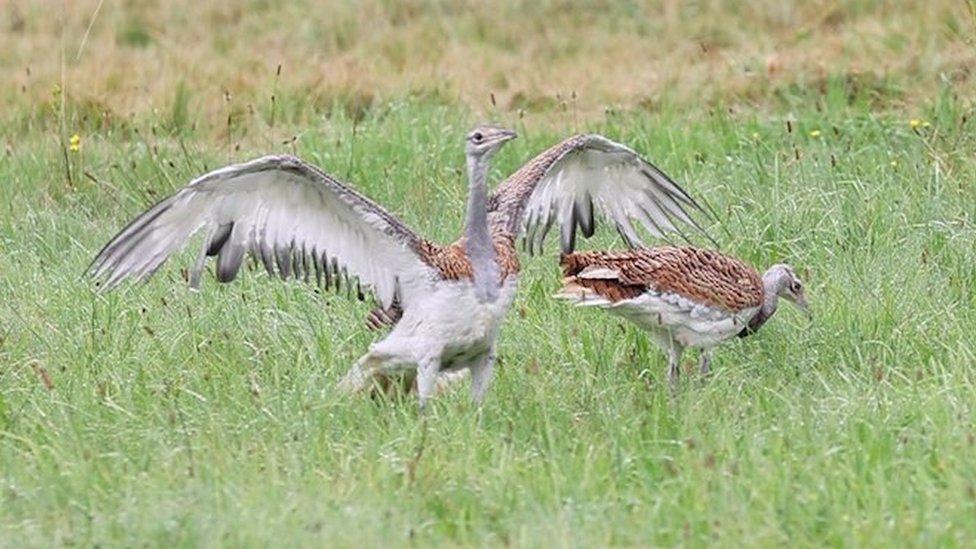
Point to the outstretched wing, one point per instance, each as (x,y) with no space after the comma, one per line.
(285,212)
(565,184)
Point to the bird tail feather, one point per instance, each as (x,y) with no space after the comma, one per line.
(578,294)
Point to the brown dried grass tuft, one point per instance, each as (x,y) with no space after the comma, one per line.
(534,56)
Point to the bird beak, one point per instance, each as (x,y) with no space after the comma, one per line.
(801,302)
(507,135)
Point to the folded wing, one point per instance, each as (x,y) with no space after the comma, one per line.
(293,217)
(586,174)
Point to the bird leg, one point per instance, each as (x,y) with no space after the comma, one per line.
(481,370)
(705,362)
(674,364)
(427,373)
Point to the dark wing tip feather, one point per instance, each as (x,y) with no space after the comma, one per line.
(681,196)
(669,186)
(283,260)
(676,223)
(568,236)
(265,254)
(584,215)
(229,261)
(219,239)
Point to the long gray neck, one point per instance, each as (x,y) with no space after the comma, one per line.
(478,244)
(773,283)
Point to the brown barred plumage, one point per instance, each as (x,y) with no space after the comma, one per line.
(684,297)
(705,276)
(380,317)
(453,264)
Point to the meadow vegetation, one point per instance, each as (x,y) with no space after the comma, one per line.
(837,136)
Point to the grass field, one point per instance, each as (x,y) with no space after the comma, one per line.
(157,416)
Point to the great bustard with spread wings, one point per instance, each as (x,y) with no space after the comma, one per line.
(446,303)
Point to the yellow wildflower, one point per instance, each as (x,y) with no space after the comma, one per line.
(755,135)
(74,143)
(918,122)
(815,133)
(894,163)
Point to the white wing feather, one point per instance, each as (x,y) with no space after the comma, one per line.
(286,213)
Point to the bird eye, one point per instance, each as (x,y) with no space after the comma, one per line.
(796,287)
(477,137)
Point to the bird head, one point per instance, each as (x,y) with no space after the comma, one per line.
(484,140)
(787,285)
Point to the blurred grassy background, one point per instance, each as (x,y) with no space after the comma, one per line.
(834,135)
(192,65)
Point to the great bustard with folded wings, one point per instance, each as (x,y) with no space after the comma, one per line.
(682,296)
(446,303)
